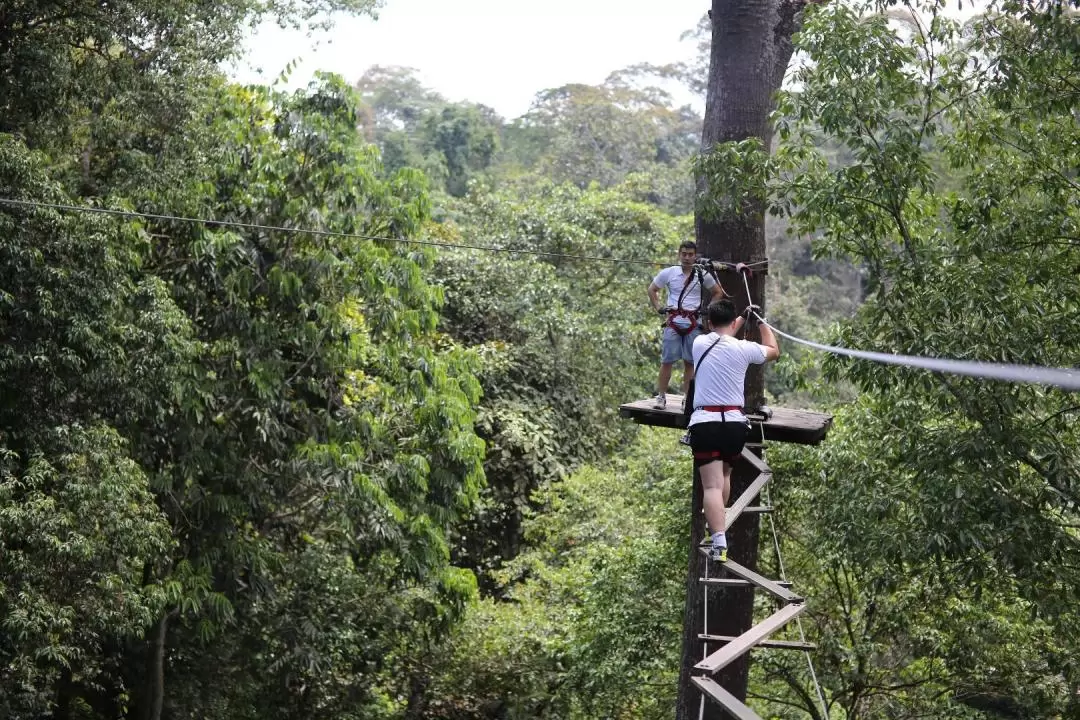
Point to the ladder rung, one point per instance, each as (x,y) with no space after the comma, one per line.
(764,583)
(724,699)
(735,582)
(775,644)
(759,509)
(755,461)
(752,637)
(736,509)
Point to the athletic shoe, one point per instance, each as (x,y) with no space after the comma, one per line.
(718,553)
(660,401)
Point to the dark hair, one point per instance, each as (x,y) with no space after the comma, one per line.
(688,245)
(722,312)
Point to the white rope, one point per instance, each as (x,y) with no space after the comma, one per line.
(1064,378)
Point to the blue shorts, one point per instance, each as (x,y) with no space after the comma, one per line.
(676,346)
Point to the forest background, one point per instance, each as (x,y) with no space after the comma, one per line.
(255,473)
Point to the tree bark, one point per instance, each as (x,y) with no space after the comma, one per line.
(751,49)
(154,695)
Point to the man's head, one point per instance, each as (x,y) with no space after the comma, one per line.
(722,313)
(687,254)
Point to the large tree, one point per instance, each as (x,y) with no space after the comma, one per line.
(750,51)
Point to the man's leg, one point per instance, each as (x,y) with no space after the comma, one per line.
(688,357)
(665,378)
(714,484)
(715,502)
(670,350)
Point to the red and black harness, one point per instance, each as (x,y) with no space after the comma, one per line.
(678,311)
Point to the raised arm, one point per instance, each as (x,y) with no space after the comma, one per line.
(768,339)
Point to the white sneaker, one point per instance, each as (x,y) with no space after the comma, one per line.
(660,401)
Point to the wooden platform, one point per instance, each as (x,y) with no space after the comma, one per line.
(804,427)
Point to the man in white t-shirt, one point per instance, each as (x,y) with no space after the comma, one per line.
(718,427)
(683,285)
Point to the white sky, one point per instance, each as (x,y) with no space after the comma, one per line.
(496,52)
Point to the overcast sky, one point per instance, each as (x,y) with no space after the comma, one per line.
(496,52)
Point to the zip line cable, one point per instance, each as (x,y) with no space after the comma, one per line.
(329,233)
(1064,378)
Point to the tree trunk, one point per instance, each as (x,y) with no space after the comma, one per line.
(154,695)
(65,693)
(751,48)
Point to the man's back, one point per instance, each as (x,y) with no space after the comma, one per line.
(720,378)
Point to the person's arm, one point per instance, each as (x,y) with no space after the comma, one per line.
(768,339)
(718,292)
(654,296)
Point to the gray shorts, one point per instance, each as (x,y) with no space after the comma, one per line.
(676,346)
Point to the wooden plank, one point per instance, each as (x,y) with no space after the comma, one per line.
(712,690)
(745,499)
(735,582)
(804,427)
(759,509)
(773,644)
(754,460)
(742,644)
(764,583)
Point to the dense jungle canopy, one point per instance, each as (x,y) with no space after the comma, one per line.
(249,473)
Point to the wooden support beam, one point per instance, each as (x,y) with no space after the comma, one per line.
(764,583)
(773,644)
(735,582)
(752,637)
(745,499)
(754,460)
(724,699)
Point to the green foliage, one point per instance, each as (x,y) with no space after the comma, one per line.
(563,341)
(453,143)
(282,396)
(77,525)
(603,133)
(591,617)
(341,445)
(235,463)
(110,89)
(622,133)
(900,633)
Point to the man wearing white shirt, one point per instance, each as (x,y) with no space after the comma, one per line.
(718,427)
(683,285)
